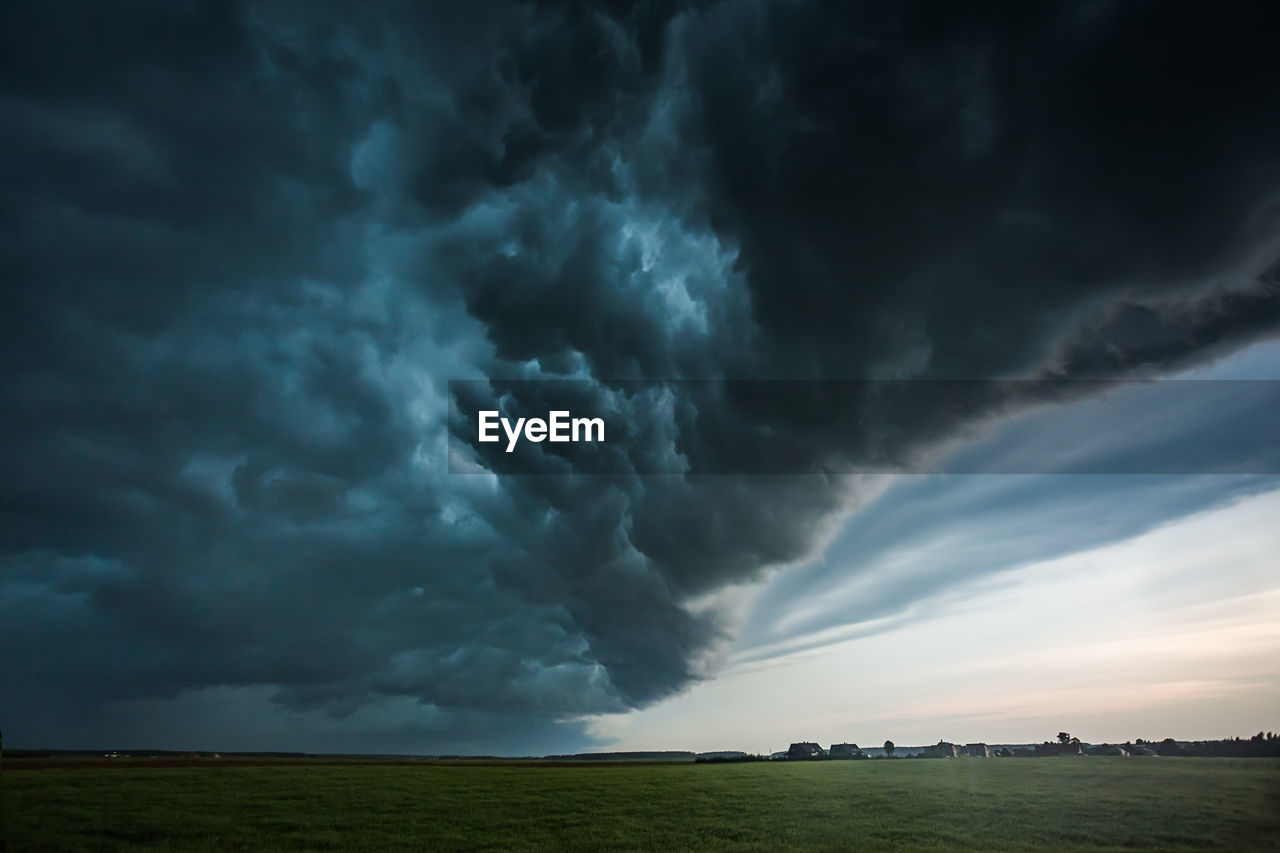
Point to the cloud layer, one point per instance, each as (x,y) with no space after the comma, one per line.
(250,243)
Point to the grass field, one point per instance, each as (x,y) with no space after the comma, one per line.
(1004,804)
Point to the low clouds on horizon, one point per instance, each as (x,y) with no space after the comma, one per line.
(247,245)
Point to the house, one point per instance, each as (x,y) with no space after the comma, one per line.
(941,750)
(804,751)
(845,750)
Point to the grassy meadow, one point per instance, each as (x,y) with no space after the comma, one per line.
(993,804)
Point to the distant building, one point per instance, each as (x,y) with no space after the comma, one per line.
(804,751)
(940,750)
(977,750)
(845,750)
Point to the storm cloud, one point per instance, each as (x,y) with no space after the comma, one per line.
(248,245)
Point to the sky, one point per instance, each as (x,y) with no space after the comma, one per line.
(938,348)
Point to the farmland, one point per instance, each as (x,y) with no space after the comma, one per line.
(1005,804)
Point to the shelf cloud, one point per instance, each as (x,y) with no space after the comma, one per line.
(249,245)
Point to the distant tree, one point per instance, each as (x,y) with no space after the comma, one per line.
(888,748)
(1064,737)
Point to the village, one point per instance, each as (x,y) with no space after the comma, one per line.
(1263,744)
(808,751)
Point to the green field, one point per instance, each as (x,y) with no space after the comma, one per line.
(1005,804)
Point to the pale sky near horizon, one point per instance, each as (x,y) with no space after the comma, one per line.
(1172,633)
(1168,630)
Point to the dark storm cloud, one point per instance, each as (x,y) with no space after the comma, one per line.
(1131,336)
(247,244)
